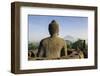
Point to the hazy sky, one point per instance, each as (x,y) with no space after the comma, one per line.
(68,25)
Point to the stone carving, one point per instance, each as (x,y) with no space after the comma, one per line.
(52,47)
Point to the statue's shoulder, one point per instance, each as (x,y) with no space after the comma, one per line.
(61,39)
(44,40)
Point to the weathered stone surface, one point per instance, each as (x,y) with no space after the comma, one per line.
(53,46)
(31,54)
(53,28)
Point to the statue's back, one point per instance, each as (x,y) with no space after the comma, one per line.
(52,47)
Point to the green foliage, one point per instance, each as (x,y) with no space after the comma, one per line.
(68,46)
(32,46)
(79,44)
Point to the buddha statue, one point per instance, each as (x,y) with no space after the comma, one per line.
(52,47)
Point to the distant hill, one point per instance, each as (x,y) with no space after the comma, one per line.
(68,42)
(70,38)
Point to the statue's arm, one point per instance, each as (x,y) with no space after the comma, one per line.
(39,49)
(64,49)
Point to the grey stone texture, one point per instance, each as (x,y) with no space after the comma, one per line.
(52,47)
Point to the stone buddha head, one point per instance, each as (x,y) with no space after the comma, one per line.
(53,28)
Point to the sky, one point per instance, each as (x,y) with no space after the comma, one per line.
(68,25)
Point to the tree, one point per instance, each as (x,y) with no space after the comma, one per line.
(80,44)
(69,44)
(32,46)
